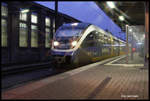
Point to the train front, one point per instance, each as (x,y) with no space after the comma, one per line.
(65,42)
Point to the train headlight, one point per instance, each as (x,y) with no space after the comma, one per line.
(55,43)
(74,43)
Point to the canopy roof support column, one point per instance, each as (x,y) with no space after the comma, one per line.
(56,14)
(146,34)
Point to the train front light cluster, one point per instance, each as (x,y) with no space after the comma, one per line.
(74,43)
(55,43)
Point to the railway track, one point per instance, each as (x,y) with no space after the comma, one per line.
(12,78)
(24,68)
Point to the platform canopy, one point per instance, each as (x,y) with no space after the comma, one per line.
(89,12)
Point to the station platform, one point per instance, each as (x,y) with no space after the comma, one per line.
(101,80)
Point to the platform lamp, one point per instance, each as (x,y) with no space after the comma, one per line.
(127,47)
(111,4)
(121,18)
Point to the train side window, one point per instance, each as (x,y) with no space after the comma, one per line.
(4,14)
(101,38)
(105,39)
(115,45)
(23,35)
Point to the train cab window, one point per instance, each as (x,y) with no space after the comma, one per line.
(96,35)
(23,14)
(115,45)
(23,35)
(90,39)
(34,36)
(4,14)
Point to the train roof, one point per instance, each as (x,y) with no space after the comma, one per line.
(85,25)
(77,25)
(108,34)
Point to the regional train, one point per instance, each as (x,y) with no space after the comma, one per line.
(84,43)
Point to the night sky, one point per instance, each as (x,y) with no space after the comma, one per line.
(86,11)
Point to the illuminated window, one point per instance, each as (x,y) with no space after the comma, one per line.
(34,36)
(34,18)
(23,14)
(101,37)
(47,38)
(47,32)
(4,10)
(105,39)
(23,35)
(3,33)
(4,14)
(47,21)
(54,26)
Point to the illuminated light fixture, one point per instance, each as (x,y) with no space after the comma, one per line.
(24,10)
(130,30)
(110,4)
(74,24)
(121,18)
(139,43)
(56,43)
(74,43)
(143,35)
